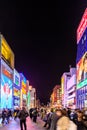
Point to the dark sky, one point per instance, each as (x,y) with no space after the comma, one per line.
(42,35)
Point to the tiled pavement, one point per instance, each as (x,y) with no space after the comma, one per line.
(14,125)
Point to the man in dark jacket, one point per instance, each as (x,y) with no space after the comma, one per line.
(22,116)
(54,120)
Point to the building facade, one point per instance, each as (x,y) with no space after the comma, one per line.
(64,79)
(71,89)
(81,62)
(56,97)
(6,74)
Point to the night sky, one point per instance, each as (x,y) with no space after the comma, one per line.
(42,34)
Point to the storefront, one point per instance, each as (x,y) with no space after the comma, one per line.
(16,89)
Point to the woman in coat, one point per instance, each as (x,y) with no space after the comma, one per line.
(63,122)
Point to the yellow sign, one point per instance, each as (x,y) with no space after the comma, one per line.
(6,52)
(62,84)
(16,92)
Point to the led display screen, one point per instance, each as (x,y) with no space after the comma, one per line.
(6,52)
(82,26)
(17,78)
(82,46)
(23,84)
(82,71)
(6,70)
(16,92)
(6,92)
(16,101)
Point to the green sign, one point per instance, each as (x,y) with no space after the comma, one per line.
(82,84)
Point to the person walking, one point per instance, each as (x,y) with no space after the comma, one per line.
(35,113)
(22,116)
(80,122)
(63,121)
(54,120)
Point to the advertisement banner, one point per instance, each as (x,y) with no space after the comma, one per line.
(16,101)
(6,52)
(16,92)
(23,84)
(82,26)
(6,92)
(16,79)
(6,70)
(82,71)
(82,46)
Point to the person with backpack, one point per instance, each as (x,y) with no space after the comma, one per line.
(22,116)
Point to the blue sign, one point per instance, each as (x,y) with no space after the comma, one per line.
(82,46)
(6,92)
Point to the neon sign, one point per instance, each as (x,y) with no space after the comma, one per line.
(82,26)
(16,92)
(82,84)
(23,83)
(16,78)
(6,52)
(6,70)
(7,73)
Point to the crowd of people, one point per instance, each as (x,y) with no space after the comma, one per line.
(53,118)
(65,119)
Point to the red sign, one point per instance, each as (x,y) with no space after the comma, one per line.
(82,26)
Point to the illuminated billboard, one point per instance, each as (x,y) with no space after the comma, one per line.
(6,70)
(62,88)
(6,92)
(23,84)
(16,92)
(82,26)
(82,71)
(6,52)
(62,85)
(16,78)
(82,46)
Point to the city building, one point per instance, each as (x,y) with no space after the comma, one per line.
(32,98)
(6,74)
(23,93)
(81,62)
(14,87)
(56,97)
(64,79)
(38,105)
(71,89)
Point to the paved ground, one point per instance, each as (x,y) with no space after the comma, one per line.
(14,125)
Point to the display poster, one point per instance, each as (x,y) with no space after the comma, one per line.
(16,79)
(23,85)
(82,71)
(16,92)
(82,46)
(28,98)
(6,92)
(7,53)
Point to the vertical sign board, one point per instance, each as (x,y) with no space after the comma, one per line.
(6,86)
(82,26)
(23,90)
(16,89)
(6,53)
